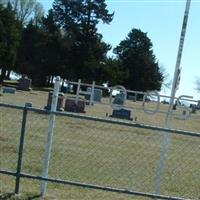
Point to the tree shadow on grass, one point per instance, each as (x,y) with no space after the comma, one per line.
(13,196)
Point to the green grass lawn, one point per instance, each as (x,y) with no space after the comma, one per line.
(97,153)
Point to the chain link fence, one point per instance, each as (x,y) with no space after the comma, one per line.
(100,153)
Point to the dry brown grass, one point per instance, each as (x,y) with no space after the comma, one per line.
(98,153)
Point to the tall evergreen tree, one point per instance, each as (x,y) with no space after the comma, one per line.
(29,57)
(79,19)
(9,39)
(137,58)
(56,47)
(42,51)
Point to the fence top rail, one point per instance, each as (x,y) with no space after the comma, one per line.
(126,123)
(133,92)
(105,120)
(12,106)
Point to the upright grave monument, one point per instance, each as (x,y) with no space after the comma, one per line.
(60,104)
(118,103)
(72,106)
(24,84)
(96,96)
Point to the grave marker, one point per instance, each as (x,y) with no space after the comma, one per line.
(119,99)
(198,105)
(9,90)
(69,88)
(60,104)
(96,96)
(122,114)
(132,97)
(72,106)
(24,84)
(193,107)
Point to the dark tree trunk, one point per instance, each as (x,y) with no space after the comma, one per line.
(62,86)
(52,77)
(3,75)
(8,74)
(48,80)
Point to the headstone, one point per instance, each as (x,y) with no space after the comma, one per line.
(96,96)
(24,84)
(119,99)
(60,104)
(9,90)
(198,105)
(122,114)
(132,97)
(193,107)
(72,106)
(69,88)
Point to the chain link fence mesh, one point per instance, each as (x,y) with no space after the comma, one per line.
(10,130)
(100,153)
(104,154)
(182,167)
(35,142)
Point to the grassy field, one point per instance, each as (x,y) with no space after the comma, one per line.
(97,153)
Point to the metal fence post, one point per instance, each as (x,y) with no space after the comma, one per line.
(78,90)
(50,135)
(175,84)
(21,149)
(92,94)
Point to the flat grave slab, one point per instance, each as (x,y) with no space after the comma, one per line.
(9,90)
(122,114)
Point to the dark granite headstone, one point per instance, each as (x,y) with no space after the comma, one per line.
(198,105)
(132,97)
(119,99)
(122,114)
(71,106)
(60,104)
(9,90)
(193,107)
(24,84)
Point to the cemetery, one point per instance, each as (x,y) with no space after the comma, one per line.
(92,102)
(117,108)
(108,133)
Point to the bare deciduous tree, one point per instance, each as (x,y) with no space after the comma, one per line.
(24,9)
(167,82)
(197,84)
(38,12)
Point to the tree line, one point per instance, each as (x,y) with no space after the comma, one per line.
(66,42)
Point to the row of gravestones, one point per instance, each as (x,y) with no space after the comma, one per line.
(71,105)
(23,84)
(79,106)
(67,104)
